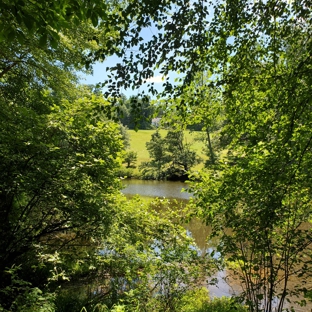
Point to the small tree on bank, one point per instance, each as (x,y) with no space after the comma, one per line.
(130,158)
(154,169)
(171,156)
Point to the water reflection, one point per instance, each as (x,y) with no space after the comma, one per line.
(168,189)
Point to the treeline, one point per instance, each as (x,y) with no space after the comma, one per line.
(139,112)
(136,112)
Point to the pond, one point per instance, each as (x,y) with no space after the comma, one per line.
(200,232)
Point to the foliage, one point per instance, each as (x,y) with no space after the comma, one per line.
(125,173)
(263,197)
(223,304)
(193,300)
(24,18)
(140,138)
(198,301)
(136,113)
(125,136)
(171,157)
(146,263)
(158,157)
(130,158)
(56,173)
(205,112)
(207,109)
(180,150)
(26,297)
(59,154)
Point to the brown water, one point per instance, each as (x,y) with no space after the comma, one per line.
(198,231)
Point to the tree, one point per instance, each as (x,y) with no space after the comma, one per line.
(58,169)
(150,256)
(259,56)
(125,136)
(205,112)
(154,169)
(171,156)
(131,158)
(180,152)
(56,149)
(135,112)
(50,22)
(264,198)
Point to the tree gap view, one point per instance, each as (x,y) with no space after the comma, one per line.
(233,118)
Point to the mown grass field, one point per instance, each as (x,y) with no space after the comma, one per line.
(139,138)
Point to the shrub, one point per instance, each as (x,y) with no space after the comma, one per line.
(198,300)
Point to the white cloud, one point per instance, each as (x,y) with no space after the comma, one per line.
(156,79)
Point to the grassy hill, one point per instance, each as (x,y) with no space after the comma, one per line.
(139,138)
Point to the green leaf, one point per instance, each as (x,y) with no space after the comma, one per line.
(43,40)
(29,21)
(94,19)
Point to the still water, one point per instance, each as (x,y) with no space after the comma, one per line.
(200,232)
(159,189)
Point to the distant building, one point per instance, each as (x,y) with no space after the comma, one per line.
(156,122)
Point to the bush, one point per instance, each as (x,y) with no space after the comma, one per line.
(198,301)
(223,304)
(130,159)
(125,172)
(194,300)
